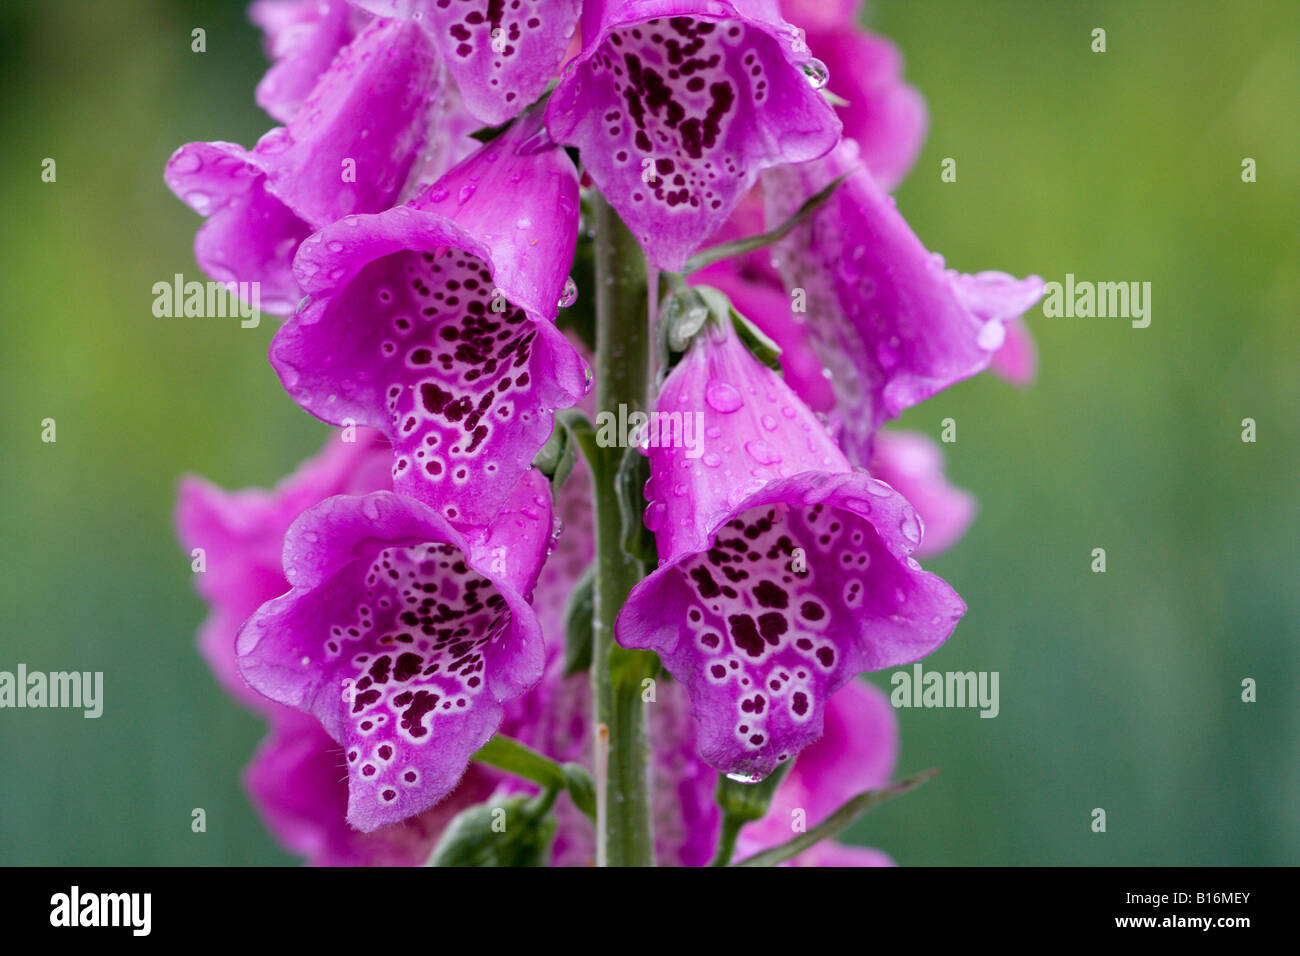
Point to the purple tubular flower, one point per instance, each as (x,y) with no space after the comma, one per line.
(434,322)
(856,752)
(297,779)
(912,463)
(241,534)
(501,54)
(348,150)
(892,325)
(782,571)
(678,105)
(403,637)
(767,305)
(302,37)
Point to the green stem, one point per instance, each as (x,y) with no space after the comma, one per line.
(731,825)
(623,822)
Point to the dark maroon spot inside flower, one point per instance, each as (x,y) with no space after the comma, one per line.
(744,633)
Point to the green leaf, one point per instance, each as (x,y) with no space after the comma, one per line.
(759,345)
(582,432)
(837,821)
(506,753)
(638,541)
(516,831)
(579,623)
(582,789)
(555,459)
(727,250)
(485,134)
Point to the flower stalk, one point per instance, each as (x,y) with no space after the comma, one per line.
(623,823)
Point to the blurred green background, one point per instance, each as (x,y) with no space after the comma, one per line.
(1118,690)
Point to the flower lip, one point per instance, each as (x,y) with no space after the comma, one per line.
(402,637)
(674,106)
(804,583)
(457,359)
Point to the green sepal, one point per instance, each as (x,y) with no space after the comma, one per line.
(516,831)
(579,623)
(637,541)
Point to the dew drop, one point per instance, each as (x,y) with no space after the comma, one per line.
(722,397)
(991,336)
(570,293)
(816,73)
(910,528)
(762,452)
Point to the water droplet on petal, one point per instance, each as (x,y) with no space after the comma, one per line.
(654,515)
(187,162)
(816,73)
(878,488)
(762,452)
(991,336)
(570,293)
(201,202)
(910,528)
(722,397)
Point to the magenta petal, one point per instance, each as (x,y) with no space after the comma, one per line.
(823,14)
(913,464)
(1017,360)
(501,55)
(828,853)
(402,639)
(678,105)
(886,116)
(302,39)
(241,534)
(297,780)
(782,573)
(856,752)
(434,323)
(752,430)
(349,149)
(761,645)
(768,306)
(892,324)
